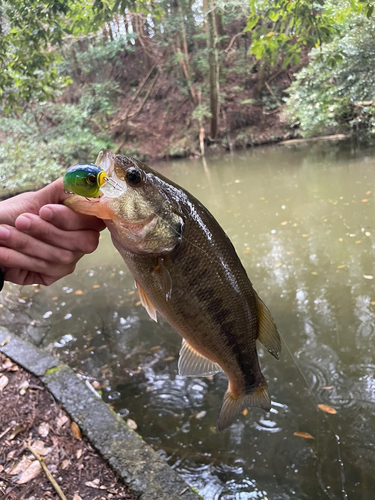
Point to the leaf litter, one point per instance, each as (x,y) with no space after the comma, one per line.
(33,422)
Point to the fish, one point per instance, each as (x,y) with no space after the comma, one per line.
(85,179)
(187,270)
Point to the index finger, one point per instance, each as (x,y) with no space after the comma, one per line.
(67,219)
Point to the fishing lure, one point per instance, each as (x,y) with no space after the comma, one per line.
(88,180)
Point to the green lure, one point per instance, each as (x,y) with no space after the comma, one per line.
(85,179)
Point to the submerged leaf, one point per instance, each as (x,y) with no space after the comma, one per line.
(327,409)
(304,435)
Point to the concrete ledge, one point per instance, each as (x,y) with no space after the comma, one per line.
(140,467)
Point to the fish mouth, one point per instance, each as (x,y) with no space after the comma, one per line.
(106,160)
(113,186)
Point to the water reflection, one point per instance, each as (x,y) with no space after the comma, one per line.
(302,221)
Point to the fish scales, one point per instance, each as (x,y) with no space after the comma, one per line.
(187,270)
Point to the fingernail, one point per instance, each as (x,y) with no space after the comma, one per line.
(23,223)
(46,213)
(4,233)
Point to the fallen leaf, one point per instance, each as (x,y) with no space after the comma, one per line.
(304,435)
(93,484)
(1,469)
(368,276)
(284,223)
(131,424)
(368,192)
(340,239)
(96,286)
(365,200)
(61,421)
(17,430)
(367,233)
(79,454)
(21,466)
(279,264)
(373,303)
(341,266)
(78,292)
(76,431)
(7,364)
(247,250)
(245,412)
(95,384)
(305,235)
(43,429)
(3,382)
(138,303)
(40,448)
(23,387)
(200,414)
(5,341)
(314,273)
(358,242)
(169,358)
(327,409)
(155,348)
(327,387)
(54,298)
(10,455)
(65,464)
(30,473)
(77,497)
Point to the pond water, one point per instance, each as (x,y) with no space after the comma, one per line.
(302,221)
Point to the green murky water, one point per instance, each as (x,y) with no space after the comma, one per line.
(302,221)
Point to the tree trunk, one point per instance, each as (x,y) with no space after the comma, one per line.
(214,66)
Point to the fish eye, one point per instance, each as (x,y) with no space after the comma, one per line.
(91,179)
(133,176)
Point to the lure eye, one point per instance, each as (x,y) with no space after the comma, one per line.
(91,179)
(133,176)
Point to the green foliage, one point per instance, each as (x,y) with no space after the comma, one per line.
(281,28)
(31,32)
(336,97)
(42,141)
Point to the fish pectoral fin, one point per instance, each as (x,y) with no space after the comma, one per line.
(267,333)
(146,302)
(193,364)
(232,405)
(163,277)
(89,207)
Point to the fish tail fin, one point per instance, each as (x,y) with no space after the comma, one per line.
(233,405)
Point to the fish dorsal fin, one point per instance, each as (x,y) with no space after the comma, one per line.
(267,333)
(146,302)
(193,364)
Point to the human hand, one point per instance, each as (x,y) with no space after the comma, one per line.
(42,240)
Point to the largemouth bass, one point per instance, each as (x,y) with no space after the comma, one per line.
(187,270)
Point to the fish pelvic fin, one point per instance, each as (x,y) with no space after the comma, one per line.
(267,332)
(146,302)
(192,364)
(233,405)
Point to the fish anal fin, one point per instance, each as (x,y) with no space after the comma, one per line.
(233,405)
(267,332)
(146,302)
(89,207)
(192,364)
